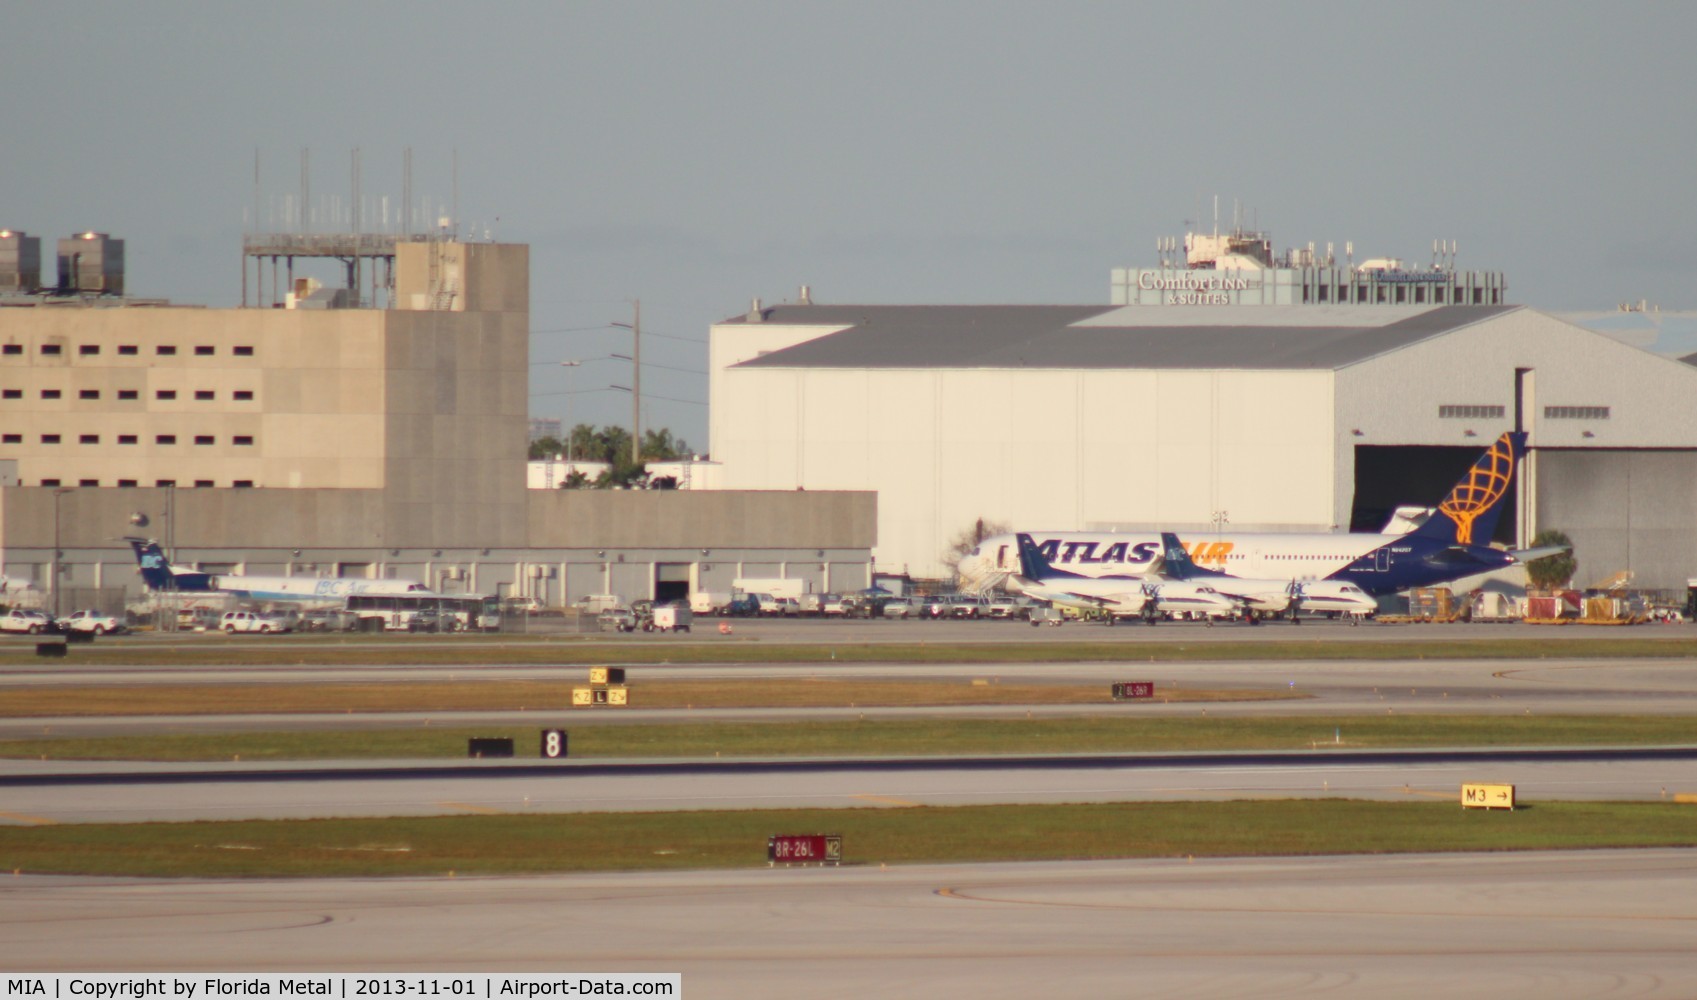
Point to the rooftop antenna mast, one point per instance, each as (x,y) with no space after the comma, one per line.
(306,189)
(406,193)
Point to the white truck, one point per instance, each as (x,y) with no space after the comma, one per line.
(708,602)
(776,586)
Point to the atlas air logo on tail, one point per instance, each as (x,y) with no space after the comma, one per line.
(1140,554)
(1471,510)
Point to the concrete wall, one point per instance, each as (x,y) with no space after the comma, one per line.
(1624,510)
(688,519)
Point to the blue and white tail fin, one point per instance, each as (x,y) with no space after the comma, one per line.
(1176,563)
(1468,516)
(1033,565)
(158,573)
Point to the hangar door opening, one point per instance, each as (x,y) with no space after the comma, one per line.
(671,582)
(1389,477)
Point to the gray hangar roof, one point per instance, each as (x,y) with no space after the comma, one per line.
(1226,337)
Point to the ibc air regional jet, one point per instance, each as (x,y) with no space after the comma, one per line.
(158,573)
(1266,598)
(1448,546)
(1118,596)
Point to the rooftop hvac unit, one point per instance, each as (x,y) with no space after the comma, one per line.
(20,261)
(91,263)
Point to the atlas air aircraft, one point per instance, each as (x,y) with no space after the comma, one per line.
(1118,596)
(1263,598)
(1448,546)
(158,573)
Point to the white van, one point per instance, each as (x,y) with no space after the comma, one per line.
(596,603)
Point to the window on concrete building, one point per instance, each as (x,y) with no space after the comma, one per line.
(205,394)
(242,352)
(165,394)
(1455,411)
(89,394)
(242,439)
(165,350)
(127,394)
(12,439)
(164,482)
(50,482)
(50,394)
(88,482)
(128,349)
(12,349)
(204,439)
(126,483)
(11,394)
(201,484)
(243,484)
(127,439)
(88,348)
(88,439)
(49,439)
(52,349)
(165,439)
(204,350)
(243,395)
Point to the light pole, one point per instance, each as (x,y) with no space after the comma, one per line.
(57,555)
(635,327)
(569,435)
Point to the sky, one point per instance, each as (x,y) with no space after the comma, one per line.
(696,156)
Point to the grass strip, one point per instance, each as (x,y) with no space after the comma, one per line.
(531,844)
(1128,645)
(524,695)
(1129,733)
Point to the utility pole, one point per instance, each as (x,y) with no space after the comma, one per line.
(635,327)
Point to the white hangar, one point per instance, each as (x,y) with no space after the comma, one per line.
(1268,417)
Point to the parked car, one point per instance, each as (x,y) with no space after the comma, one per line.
(936,606)
(21,620)
(254,621)
(93,621)
(903,607)
(832,605)
(1010,608)
(743,606)
(968,606)
(812,604)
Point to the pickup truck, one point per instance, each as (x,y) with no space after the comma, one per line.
(20,620)
(92,621)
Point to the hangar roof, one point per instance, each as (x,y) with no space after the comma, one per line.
(1231,337)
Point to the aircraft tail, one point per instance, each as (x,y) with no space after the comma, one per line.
(1176,562)
(1032,563)
(158,573)
(1468,516)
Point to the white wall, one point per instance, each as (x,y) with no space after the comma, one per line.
(1037,449)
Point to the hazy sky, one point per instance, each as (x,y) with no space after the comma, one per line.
(697,155)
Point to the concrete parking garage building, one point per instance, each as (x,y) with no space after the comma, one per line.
(331,435)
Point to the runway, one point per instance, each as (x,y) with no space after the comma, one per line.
(72,792)
(1568,924)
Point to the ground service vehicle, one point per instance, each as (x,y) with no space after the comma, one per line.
(743,606)
(92,621)
(670,618)
(617,620)
(20,620)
